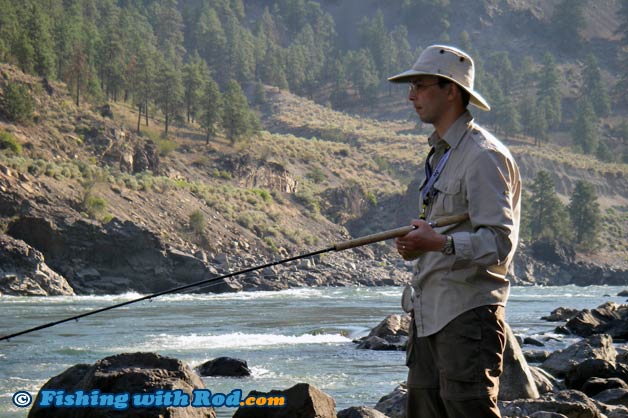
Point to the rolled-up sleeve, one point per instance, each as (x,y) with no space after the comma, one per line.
(492,182)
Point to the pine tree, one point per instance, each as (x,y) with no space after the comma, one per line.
(212,41)
(238,120)
(9,30)
(584,132)
(549,89)
(192,83)
(168,92)
(584,212)
(540,124)
(548,213)
(39,35)
(566,23)
(594,87)
(364,75)
(211,108)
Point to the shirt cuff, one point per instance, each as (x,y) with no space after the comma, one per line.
(462,246)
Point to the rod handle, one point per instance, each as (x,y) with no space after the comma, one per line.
(397,232)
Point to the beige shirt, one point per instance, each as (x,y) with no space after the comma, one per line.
(482,179)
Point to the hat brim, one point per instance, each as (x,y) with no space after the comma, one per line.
(476,98)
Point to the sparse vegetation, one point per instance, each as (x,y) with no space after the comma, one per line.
(197,222)
(8,142)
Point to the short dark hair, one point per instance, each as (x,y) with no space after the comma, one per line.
(466,96)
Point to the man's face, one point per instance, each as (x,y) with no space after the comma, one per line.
(428,98)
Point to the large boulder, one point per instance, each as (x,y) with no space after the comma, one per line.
(394,404)
(302,401)
(570,403)
(24,272)
(224,366)
(595,347)
(516,381)
(616,396)
(129,373)
(561,314)
(390,334)
(595,385)
(545,382)
(581,373)
(609,318)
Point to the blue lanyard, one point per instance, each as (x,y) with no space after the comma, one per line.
(429,192)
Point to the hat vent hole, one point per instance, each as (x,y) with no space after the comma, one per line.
(461,59)
(442,51)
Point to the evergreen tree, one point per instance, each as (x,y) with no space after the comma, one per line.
(584,132)
(192,84)
(168,92)
(364,75)
(584,212)
(38,30)
(566,23)
(594,87)
(9,30)
(374,36)
(603,152)
(211,108)
(501,67)
(622,30)
(549,91)
(548,213)
(540,125)
(212,41)
(238,119)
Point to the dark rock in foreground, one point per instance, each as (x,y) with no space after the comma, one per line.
(125,373)
(302,401)
(581,373)
(224,366)
(360,412)
(595,347)
(570,403)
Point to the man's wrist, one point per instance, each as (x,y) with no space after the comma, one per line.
(448,246)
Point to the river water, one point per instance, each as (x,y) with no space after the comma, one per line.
(287,337)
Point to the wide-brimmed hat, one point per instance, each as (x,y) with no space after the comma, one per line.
(447,62)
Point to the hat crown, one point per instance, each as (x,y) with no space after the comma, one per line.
(449,62)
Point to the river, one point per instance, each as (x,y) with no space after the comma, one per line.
(291,336)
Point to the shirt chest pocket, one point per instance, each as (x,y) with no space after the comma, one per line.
(451,198)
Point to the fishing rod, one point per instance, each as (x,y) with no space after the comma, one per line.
(340,246)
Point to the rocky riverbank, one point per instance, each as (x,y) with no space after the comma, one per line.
(584,379)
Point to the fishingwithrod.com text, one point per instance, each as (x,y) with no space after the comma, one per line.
(199,398)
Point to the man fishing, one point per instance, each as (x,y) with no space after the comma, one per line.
(459,285)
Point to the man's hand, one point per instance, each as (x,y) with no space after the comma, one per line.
(421,240)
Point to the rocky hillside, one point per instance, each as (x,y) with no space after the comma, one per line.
(88,206)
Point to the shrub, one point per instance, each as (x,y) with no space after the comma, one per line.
(8,141)
(316,175)
(264,194)
(197,222)
(18,105)
(95,206)
(166,146)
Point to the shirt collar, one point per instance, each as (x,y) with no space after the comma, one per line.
(455,133)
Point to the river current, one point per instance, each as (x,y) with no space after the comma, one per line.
(287,337)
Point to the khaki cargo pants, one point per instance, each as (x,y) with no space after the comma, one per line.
(455,372)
